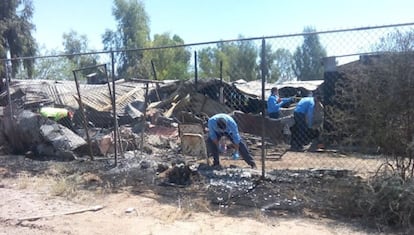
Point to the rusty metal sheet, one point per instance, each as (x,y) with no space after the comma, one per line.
(274,128)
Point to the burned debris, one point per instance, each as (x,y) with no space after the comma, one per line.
(167,105)
(149,117)
(161,141)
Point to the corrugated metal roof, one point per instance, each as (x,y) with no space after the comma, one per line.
(94,96)
(308,85)
(255,87)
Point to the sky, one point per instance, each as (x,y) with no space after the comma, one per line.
(212,20)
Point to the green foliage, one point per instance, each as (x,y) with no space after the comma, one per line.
(54,68)
(238,58)
(242,61)
(270,74)
(209,62)
(132,32)
(61,68)
(75,44)
(170,63)
(308,57)
(282,65)
(278,64)
(16,34)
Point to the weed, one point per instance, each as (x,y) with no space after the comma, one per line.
(63,187)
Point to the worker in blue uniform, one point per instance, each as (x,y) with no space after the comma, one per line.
(221,125)
(274,103)
(303,116)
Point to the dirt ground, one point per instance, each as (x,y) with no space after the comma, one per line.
(36,199)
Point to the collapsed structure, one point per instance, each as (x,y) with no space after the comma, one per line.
(143,108)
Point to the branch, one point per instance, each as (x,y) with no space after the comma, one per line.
(94,209)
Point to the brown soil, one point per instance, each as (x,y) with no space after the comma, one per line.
(40,189)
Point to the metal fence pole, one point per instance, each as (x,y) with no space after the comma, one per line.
(85,123)
(145,116)
(6,62)
(114,108)
(195,70)
(263,73)
(112,103)
(221,83)
(154,72)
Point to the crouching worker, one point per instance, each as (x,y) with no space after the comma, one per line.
(221,125)
(302,132)
(60,115)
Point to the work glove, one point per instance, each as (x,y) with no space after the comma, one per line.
(235,155)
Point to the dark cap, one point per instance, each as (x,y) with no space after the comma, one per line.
(221,123)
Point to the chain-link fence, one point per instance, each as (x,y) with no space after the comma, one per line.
(284,93)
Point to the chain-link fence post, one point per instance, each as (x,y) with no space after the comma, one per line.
(8,77)
(263,76)
(195,70)
(113,98)
(84,121)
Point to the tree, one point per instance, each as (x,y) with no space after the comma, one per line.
(282,66)
(132,33)
(308,57)
(239,60)
(269,59)
(242,60)
(207,60)
(170,63)
(16,34)
(61,70)
(75,44)
(278,64)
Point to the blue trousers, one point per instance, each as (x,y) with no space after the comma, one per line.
(213,150)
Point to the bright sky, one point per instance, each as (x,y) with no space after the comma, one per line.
(211,20)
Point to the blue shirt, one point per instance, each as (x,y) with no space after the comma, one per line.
(231,128)
(306,105)
(272,103)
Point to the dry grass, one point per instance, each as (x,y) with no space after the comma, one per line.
(63,187)
(58,170)
(390,201)
(24,180)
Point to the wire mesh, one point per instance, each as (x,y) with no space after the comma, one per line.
(191,83)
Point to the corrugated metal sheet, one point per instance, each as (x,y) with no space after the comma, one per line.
(308,85)
(255,87)
(94,96)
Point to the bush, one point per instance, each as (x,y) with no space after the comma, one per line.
(388,201)
(376,102)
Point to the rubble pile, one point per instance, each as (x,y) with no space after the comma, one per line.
(149,143)
(25,131)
